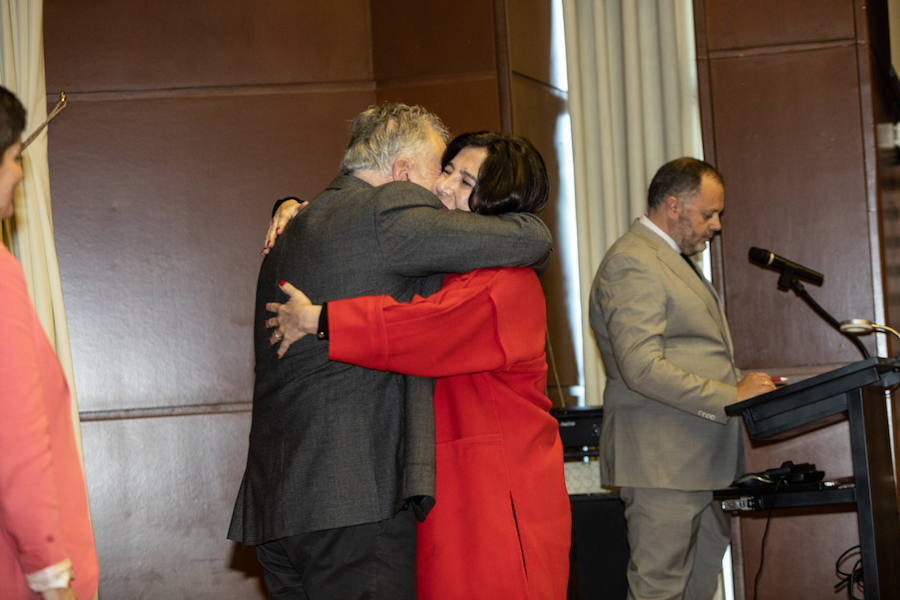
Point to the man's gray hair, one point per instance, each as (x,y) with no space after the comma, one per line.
(381,134)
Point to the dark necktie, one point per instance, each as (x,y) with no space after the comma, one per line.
(700,275)
(693,266)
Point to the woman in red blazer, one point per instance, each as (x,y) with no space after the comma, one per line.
(500,527)
(46,542)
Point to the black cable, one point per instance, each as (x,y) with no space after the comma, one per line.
(762,549)
(853,579)
(762,554)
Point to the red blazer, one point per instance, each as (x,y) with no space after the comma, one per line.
(501,525)
(44,514)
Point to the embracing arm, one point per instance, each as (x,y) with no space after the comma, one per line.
(454,331)
(458,329)
(418,236)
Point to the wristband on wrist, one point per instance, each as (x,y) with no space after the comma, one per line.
(322,329)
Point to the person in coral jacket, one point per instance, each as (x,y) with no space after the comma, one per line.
(46,542)
(500,527)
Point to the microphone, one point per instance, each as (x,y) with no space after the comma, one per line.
(770,259)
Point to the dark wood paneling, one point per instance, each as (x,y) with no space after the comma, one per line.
(428,39)
(530,39)
(886,111)
(800,552)
(115,45)
(740,24)
(185,121)
(816,536)
(788,141)
(889,219)
(538,112)
(790,124)
(161,494)
(160,209)
(465,103)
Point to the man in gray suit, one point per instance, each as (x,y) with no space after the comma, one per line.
(665,439)
(341,457)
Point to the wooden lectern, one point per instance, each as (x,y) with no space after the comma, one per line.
(858,389)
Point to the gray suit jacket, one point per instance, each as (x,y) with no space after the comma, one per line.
(669,362)
(331,444)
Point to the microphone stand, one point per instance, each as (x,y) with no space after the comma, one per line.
(789,281)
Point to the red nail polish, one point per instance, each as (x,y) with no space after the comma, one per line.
(281,283)
(278,355)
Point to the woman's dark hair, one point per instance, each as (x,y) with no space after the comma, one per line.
(513,177)
(12,119)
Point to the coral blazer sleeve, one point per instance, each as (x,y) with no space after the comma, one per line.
(475,322)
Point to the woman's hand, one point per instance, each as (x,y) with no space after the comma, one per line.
(286,211)
(294,319)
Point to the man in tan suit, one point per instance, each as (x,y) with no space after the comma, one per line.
(666,441)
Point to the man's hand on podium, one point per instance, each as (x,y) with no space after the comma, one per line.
(754,384)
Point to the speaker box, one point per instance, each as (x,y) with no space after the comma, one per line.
(579,429)
(599,556)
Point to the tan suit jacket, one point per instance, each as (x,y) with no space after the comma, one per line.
(670,367)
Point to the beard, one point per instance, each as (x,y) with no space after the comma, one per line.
(689,241)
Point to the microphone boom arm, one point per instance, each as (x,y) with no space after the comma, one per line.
(789,280)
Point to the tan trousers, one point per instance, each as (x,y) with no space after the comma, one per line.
(677,541)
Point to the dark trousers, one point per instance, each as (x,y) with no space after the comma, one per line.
(364,562)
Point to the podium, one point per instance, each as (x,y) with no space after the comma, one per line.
(858,390)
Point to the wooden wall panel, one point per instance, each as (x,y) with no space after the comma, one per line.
(115,45)
(161,495)
(538,114)
(889,214)
(886,104)
(539,111)
(739,24)
(786,103)
(432,39)
(530,41)
(186,120)
(802,544)
(800,552)
(788,142)
(464,103)
(441,55)
(160,207)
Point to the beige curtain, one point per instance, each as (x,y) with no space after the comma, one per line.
(29,233)
(633,104)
